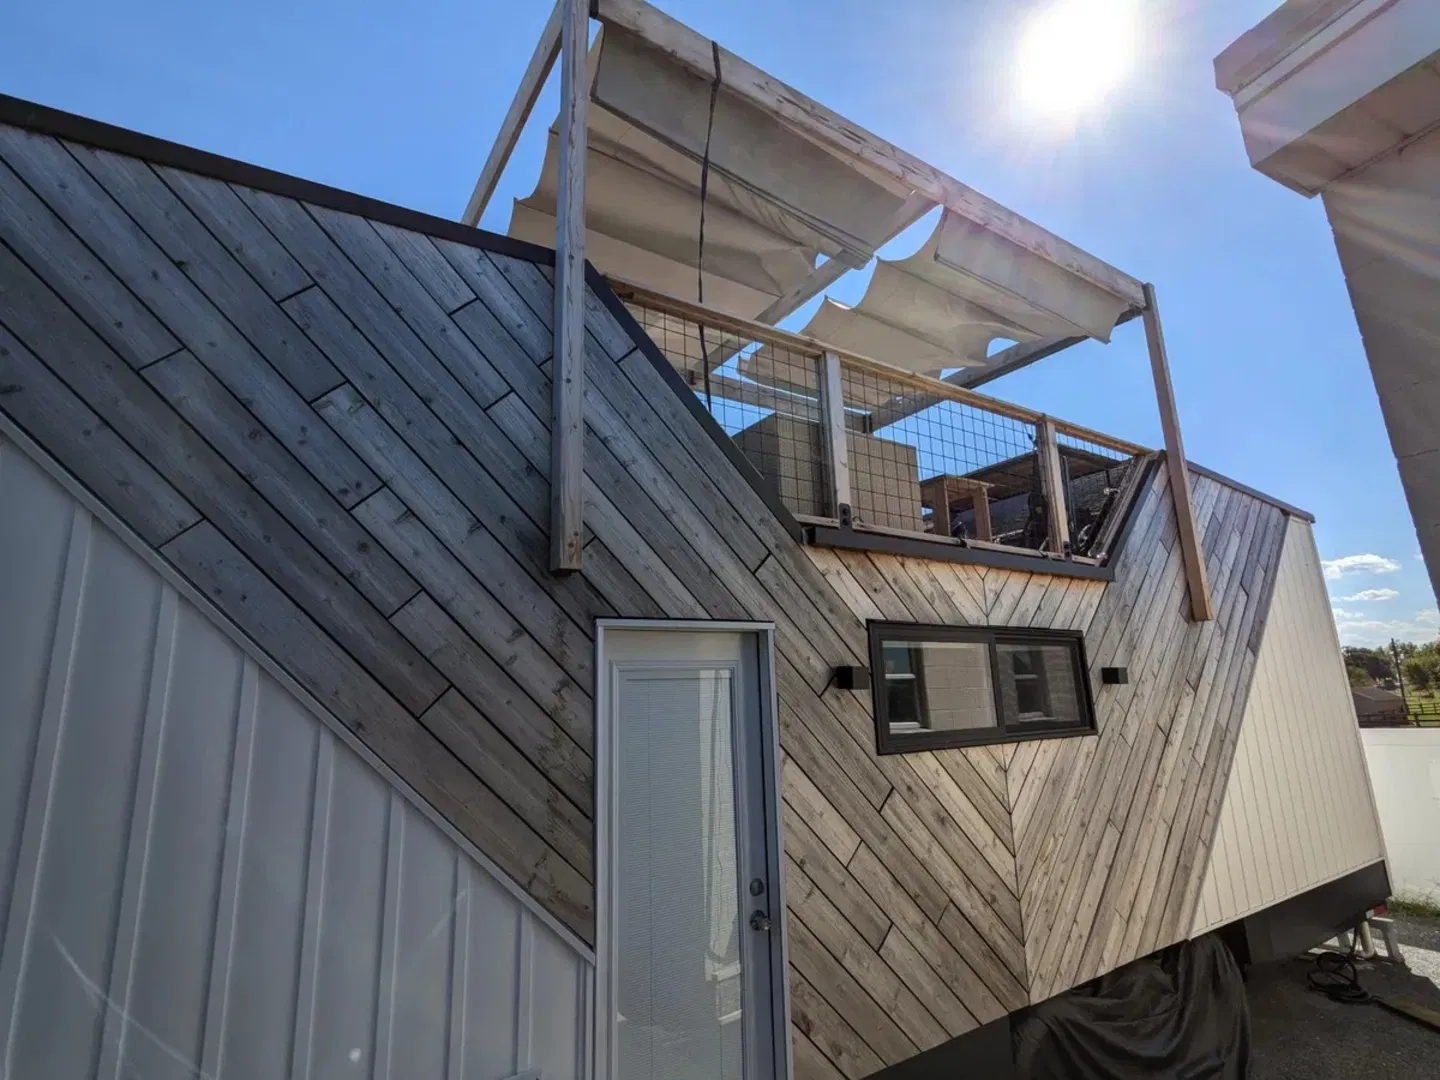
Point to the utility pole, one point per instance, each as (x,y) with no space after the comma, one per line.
(1399,677)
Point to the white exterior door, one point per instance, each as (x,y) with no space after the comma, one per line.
(692,923)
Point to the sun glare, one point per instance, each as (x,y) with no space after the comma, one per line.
(1073,53)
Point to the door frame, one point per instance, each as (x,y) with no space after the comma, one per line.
(602,1025)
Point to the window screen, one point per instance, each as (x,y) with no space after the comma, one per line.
(954,686)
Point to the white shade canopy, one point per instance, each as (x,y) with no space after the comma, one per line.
(943,306)
(776,202)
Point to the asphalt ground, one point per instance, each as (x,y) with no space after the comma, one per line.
(1299,1034)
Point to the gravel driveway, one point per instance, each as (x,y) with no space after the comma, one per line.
(1302,1035)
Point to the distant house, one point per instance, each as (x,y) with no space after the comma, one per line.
(1377,707)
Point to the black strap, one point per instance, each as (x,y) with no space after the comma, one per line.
(704,192)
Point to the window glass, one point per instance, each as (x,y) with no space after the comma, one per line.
(1037,683)
(958,686)
(937,686)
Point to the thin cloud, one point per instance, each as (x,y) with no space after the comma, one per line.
(1366,596)
(1355,629)
(1335,569)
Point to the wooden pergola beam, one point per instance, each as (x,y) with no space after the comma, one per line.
(531,83)
(1201,608)
(853,144)
(567,430)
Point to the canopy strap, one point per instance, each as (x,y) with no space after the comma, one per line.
(704,191)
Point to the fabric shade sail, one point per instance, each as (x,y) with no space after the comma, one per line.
(774,203)
(942,306)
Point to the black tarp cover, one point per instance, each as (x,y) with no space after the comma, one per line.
(1180,1015)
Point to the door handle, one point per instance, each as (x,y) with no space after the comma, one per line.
(760,921)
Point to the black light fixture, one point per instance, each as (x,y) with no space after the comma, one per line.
(1114,676)
(852,678)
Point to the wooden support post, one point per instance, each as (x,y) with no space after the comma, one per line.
(837,442)
(1052,479)
(980,500)
(533,81)
(1201,609)
(568,420)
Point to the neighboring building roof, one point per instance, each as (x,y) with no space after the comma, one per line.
(1375,693)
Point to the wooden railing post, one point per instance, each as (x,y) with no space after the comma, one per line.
(568,421)
(1052,480)
(837,443)
(1201,608)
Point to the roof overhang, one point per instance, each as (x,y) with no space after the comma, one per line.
(1325,87)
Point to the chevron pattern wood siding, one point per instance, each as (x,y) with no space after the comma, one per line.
(336,428)
(1098,842)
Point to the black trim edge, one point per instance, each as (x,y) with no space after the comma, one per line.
(921,548)
(667,371)
(1297,923)
(1293,511)
(1132,512)
(63,125)
(981,1052)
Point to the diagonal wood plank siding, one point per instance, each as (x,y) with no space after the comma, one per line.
(1086,848)
(338,428)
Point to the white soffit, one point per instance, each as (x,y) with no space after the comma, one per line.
(943,306)
(775,201)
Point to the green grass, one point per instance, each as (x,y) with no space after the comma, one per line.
(1414,905)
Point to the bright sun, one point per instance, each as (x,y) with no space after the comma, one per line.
(1073,53)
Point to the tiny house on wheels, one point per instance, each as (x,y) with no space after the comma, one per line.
(432,653)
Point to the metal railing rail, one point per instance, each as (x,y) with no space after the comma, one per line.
(810,415)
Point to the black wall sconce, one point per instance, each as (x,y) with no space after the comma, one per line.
(1114,676)
(852,678)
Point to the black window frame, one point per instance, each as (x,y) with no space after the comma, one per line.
(887,742)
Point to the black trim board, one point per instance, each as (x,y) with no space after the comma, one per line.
(920,548)
(1293,511)
(984,1053)
(63,125)
(1292,926)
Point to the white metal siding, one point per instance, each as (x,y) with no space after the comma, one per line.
(198,877)
(1298,810)
(1405,769)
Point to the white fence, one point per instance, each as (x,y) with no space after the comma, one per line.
(1405,773)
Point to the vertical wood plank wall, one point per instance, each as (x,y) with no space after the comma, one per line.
(198,877)
(336,427)
(1298,808)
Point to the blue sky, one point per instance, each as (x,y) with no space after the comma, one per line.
(401,101)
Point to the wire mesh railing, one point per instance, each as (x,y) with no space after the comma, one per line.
(852,442)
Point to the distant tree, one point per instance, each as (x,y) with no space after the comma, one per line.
(1358,675)
(1422,671)
(1374,662)
(1407,649)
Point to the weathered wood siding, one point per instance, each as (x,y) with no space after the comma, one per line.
(337,428)
(1077,855)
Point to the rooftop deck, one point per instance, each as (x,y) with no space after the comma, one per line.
(859,451)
